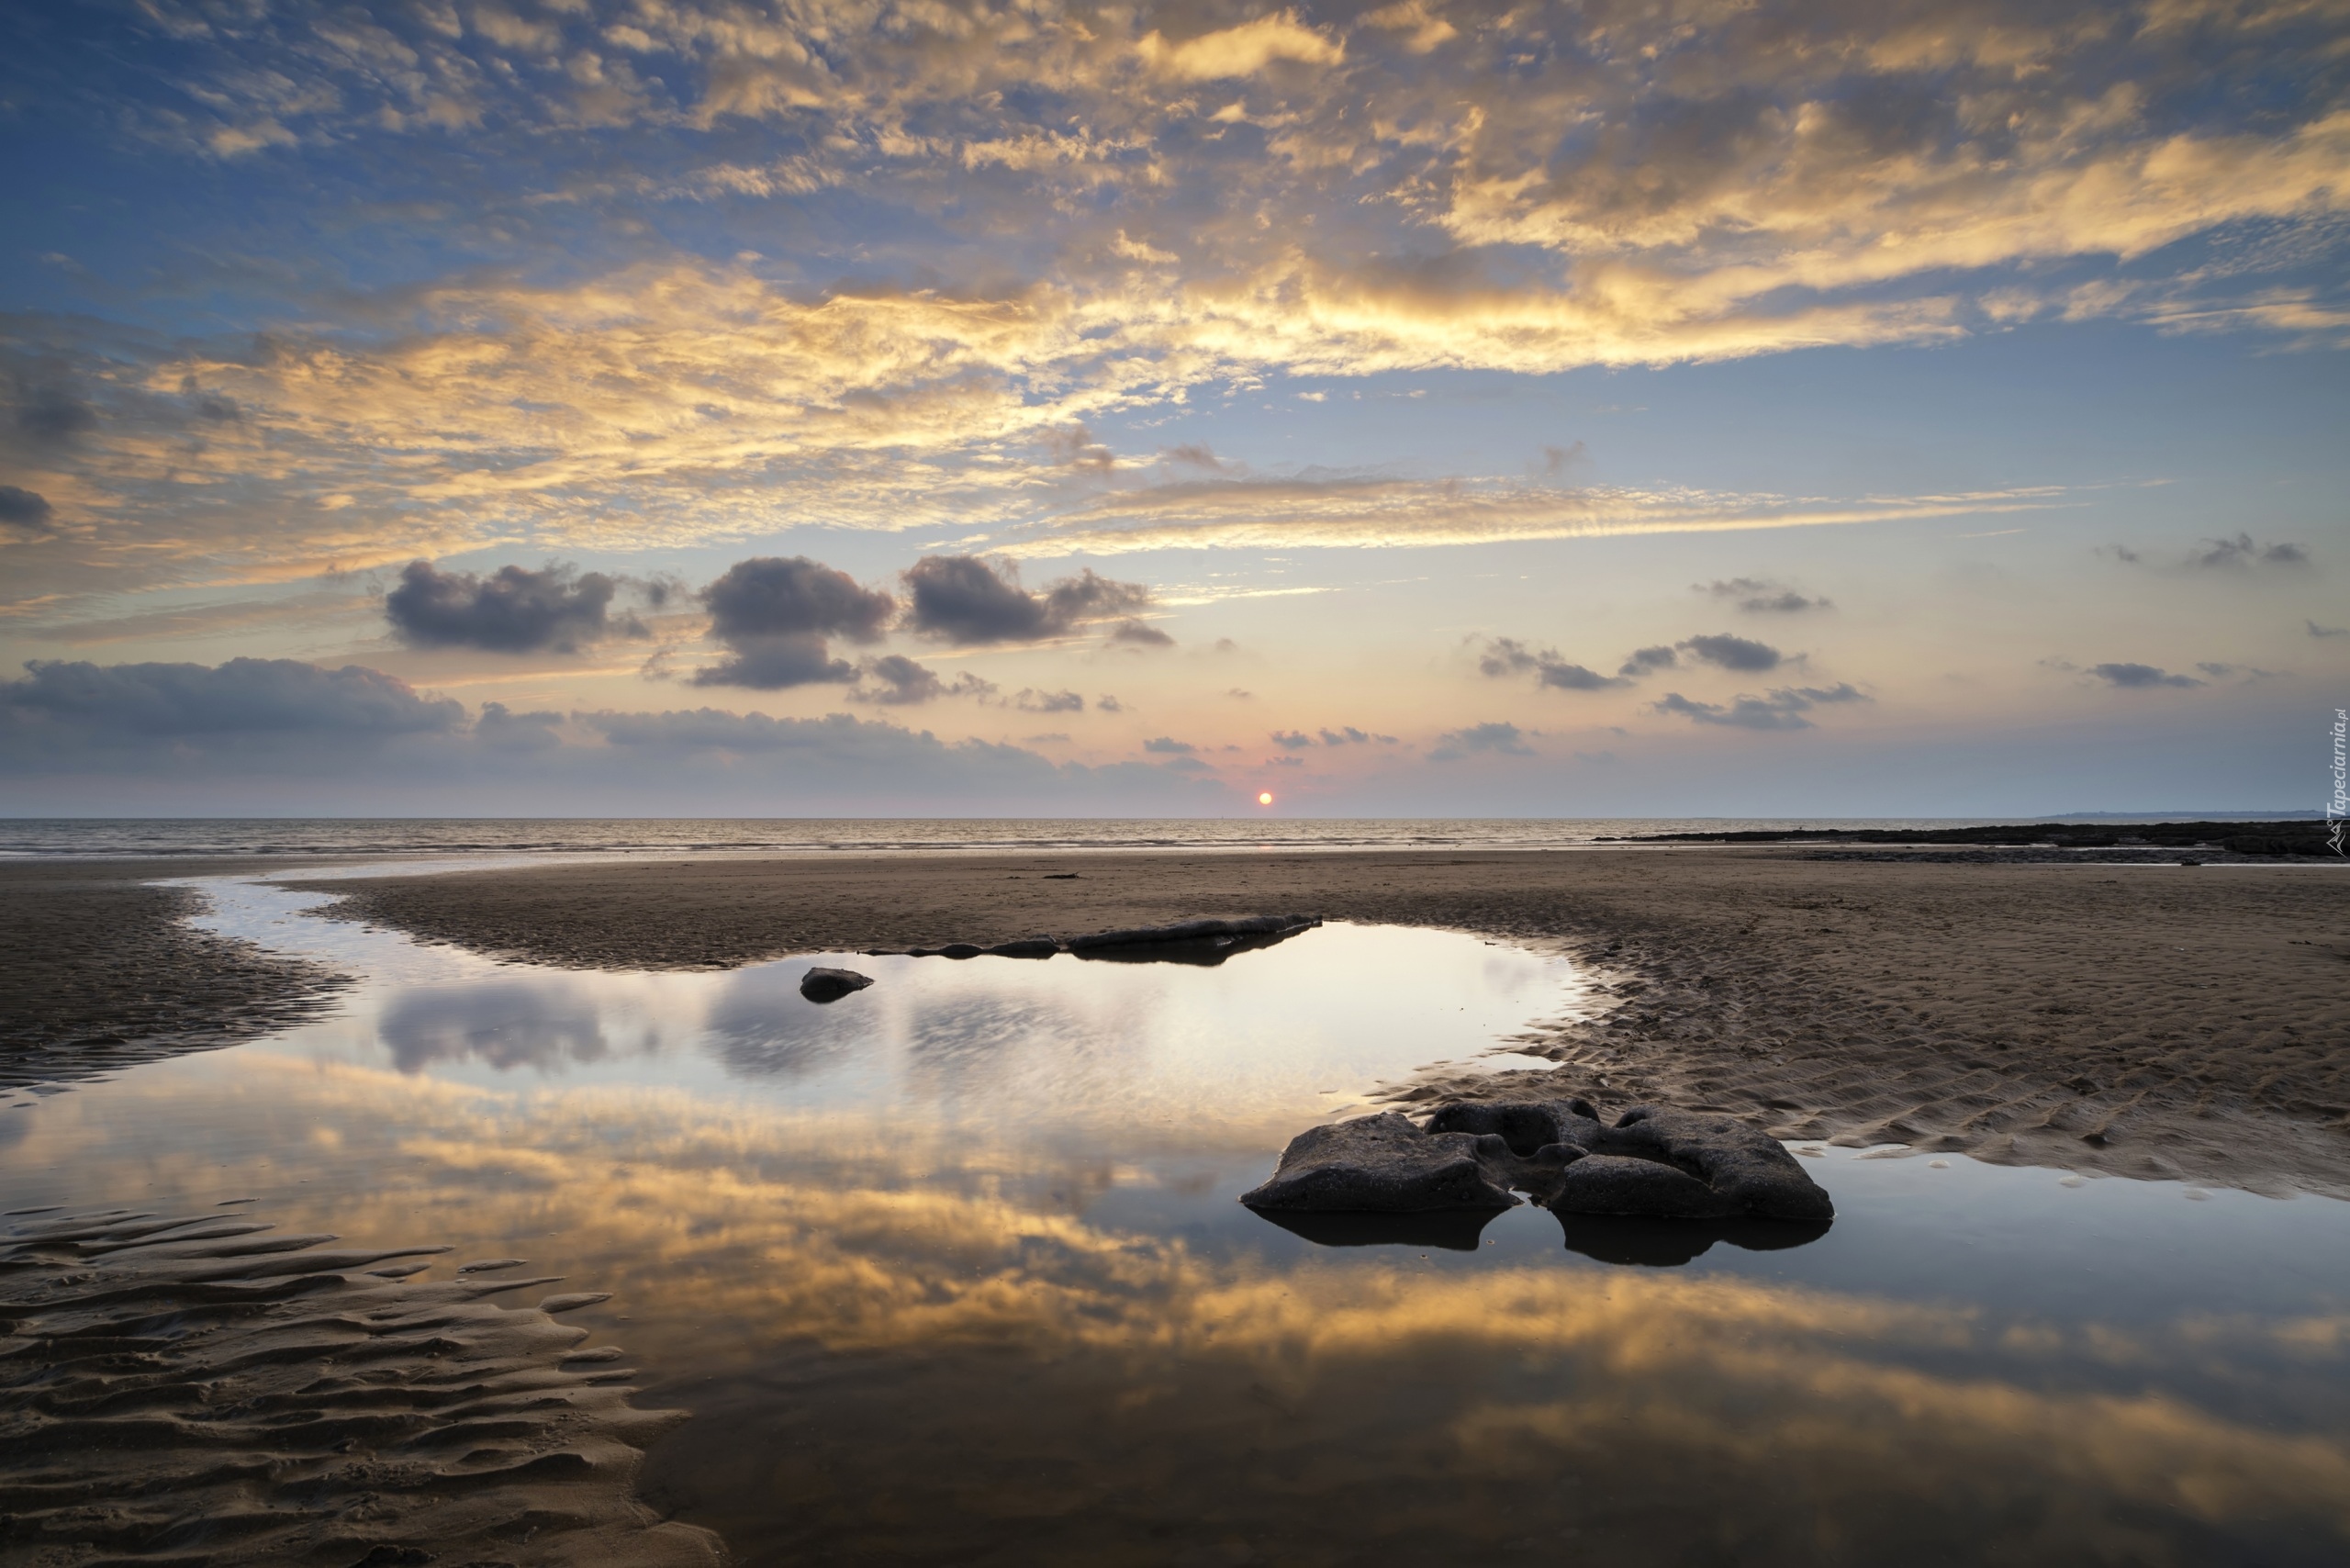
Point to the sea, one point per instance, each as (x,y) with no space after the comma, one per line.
(209,836)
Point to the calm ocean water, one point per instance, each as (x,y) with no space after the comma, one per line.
(575,835)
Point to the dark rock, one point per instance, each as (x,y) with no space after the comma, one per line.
(1026,947)
(1192,941)
(1656,1162)
(1380,1165)
(1744,1167)
(821,984)
(1625,1185)
(961,950)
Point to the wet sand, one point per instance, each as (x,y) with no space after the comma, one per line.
(99,971)
(2150,1020)
(200,1390)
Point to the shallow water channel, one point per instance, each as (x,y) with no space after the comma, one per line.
(950,1271)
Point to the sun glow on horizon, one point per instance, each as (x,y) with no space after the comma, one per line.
(1265,798)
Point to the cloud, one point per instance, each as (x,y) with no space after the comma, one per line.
(1732,652)
(1291,740)
(1327,511)
(1170,746)
(1073,446)
(284,736)
(1504,739)
(966,600)
(1642,660)
(48,416)
(2243,550)
(1108,704)
(1507,655)
(1758,596)
(134,703)
(1781,708)
(26,512)
(1347,735)
(1140,634)
(508,730)
(774,615)
(2221,554)
(2132,676)
(896,681)
(2317,630)
(1243,51)
(1032,700)
(513,610)
(1146,204)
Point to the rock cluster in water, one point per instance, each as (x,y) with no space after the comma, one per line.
(1653,1161)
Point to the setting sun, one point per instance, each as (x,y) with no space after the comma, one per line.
(1265,798)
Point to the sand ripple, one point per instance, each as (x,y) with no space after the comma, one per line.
(198,1390)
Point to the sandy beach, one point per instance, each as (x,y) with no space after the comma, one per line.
(2151,1020)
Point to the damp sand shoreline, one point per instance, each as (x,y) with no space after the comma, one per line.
(2148,1019)
(100,970)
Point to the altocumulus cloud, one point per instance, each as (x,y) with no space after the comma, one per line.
(2136,676)
(1759,596)
(967,601)
(774,615)
(512,611)
(1741,653)
(1783,709)
(1507,739)
(1507,655)
(896,681)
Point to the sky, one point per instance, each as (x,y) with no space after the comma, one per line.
(1909,408)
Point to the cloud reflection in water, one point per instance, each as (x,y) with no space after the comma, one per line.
(920,1343)
(953,1269)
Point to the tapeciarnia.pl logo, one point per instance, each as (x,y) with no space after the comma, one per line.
(2338,807)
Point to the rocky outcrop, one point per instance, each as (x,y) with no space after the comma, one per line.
(1381,1165)
(1204,941)
(1207,936)
(1652,1161)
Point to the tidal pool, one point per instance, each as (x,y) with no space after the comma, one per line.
(951,1272)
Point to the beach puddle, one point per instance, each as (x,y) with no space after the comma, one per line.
(950,1271)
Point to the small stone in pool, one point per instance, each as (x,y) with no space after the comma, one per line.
(821,984)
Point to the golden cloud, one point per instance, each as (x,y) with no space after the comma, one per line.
(1397,513)
(1410,193)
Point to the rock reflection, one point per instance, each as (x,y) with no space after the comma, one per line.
(507,1024)
(1669,1243)
(1455,1230)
